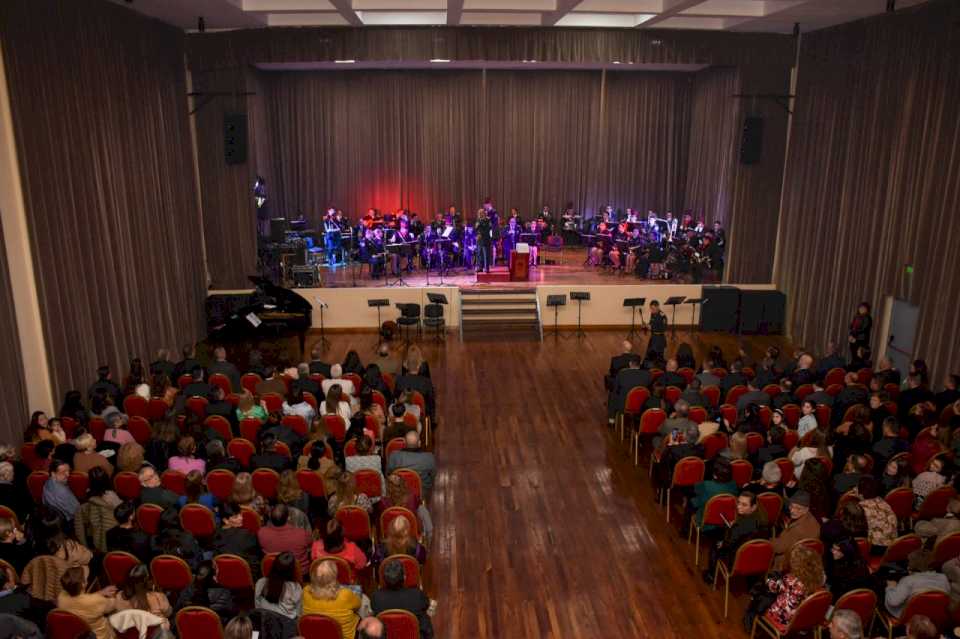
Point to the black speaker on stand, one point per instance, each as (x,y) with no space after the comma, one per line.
(751,142)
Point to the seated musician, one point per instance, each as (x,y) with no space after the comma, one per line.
(452,215)
(510,235)
(416,225)
(371,251)
(596,254)
(405,237)
(634,242)
(614,255)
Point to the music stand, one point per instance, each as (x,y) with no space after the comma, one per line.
(324,342)
(580,297)
(694,301)
(673,301)
(634,303)
(394,249)
(556,301)
(378,304)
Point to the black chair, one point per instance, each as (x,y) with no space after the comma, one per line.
(433,317)
(409,317)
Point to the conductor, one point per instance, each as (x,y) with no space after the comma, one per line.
(658,330)
(484,234)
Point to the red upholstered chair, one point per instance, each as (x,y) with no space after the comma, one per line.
(687,374)
(410,420)
(833,389)
(650,422)
(851,410)
(175,481)
(790,439)
(220,483)
(139,427)
(156,410)
(802,391)
(221,381)
(345,573)
(117,565)
(198,520)
(935,504)
(242,449)
(249,381)
(355,523)
(742,471)
(698,414)
(69,425)
(135,406)
(265,482)
(197,406)
(79,483)
(400,624)
(319,627)
(389,514)
(686,473)
(395,444)
(672,394)
(197,622)
(412,479)
(655,374)
(808,617)
(752,559)
(35,482)
(864,375)
(378,397)
(97,428)
(712,393)
(295,423)
(267,564)
(812,543)
(417,398)
(309,398)
(893,392)
(729,412)
(350,448)
(933,604)
(148,516)
(834,376)
(251,519)
(772,503)
(250,428)
(62,624)
(220,424)
(716,509)
(823,416)
(632,406)
(713,444)
(748,372)
(170,572)
(311,483)
(945,550)
(772,390)
(282,449)
(786,469)
(184,380)
(233,572)
(335,426)
(127,485)
(411,570)
(791,415)
(862,601)
(735,393)
(899,550)
(369,482)
(29,456)
(754,443)
(848,496)
(273,401)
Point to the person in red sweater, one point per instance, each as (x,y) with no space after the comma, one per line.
(280,536)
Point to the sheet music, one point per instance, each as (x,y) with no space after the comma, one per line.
(254,320)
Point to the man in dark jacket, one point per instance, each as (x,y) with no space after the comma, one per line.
(916,393)
(627,379)
(891,444)
(105,383)
(152,492)
(232,538)
(268,457)
(220,366)
(692,394)
(830,360)
(774,448)
(618,363)
(751,523)
(753,396)
(395,596)
(853,393)
(734,378)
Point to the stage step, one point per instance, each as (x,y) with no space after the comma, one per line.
(497,314)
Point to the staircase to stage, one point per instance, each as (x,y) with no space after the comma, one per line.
(500,313)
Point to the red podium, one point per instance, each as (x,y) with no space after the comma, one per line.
(519,266)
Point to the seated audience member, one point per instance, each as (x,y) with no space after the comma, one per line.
(272,383)
(820,397)
(785,396)
(803,579)
(769,482)
(751,523)
(890,444)
(172,539)
(370,408)
(325,467)
(163,444)
(352,363)
(245,496)
(279,591)
(366,459)
(283,433)
(106,385)
(399,540)
(325,596)
(882,523)
(95,516)
(411,380)
(678,422)
(187,459)
(846,569)
(91,607)
(774,448)
(195,492)
(734,377)
(950,392)
(815,481)
(87,457)
(240,627)
(737,448)
(396,596)
(217,458)
(57,493)
(626,380)
(73,407)
(721,484)
(232,538)
(804,373)
(336,403)
(849,523)
(808,418)
(854,469)
(140,593)
(130,458)
(896,474)
(414,458)
(306,384)
(217,405)
(919,579)
(220,366)
(816,447)
(294,498)
(336,379)
(126,534)
(386,361)
(116,432)
(15,548)
(198,386)
(187,363)
(207,592)
(928,481)
(617,363)
(268,457)
(295,404)
(802,525)
(151,490)
(281,535)
(334,544)
(248,408)
(11,495)
(845,624)
(692,395)
(915,393)
(346,495)
(753,396)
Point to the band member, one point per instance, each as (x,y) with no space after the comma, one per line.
(483,229)
(719,235)
(416,225)
(371,251)
(469,246)
(671,225)
(405,237)
(535,236)
(658,330)
(609,215)
(511,236)
(331,235)
(614,256)
(596,254)
(438,224)
(452,216)
(634,242)
(860,329)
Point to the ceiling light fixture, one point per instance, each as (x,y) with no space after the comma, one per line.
(439,60)
(616,62)
(344,61)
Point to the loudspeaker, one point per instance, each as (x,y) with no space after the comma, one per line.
(762,312)
(235,138)
(751,143)
(721,305)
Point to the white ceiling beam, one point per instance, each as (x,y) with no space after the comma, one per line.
(345,9)
(563,8)
(454,11)
(670,9)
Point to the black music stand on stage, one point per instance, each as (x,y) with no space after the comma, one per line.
(580,297)
(324,342)
(694,301)
(673,301)
(634,303)
(378,304)
(394,249)
(556,301)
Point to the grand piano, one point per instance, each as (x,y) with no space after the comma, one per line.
(270,312)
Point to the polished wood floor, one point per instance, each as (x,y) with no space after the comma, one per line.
(544,528)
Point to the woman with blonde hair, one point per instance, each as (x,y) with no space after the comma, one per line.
(414,363)
(130,457)
(240,627)
(737,448)
(87,458)
(347,495)
(399,540)
(245,496)
(248,408)
(290,493)
(324,596)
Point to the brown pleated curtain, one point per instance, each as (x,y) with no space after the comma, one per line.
(100,114)
(14,412)
(873,179)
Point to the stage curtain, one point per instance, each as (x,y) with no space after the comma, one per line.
(714,135)
(100,114)
(873,179)
(424,140)
(14,412)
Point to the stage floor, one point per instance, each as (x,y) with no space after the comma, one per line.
(570,270)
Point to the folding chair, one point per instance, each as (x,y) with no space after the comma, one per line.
(752,558)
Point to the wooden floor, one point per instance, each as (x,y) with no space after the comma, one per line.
(543,526)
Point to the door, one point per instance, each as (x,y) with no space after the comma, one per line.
(899,332)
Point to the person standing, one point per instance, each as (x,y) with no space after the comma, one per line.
(860,329)
(484,235)
(658,330)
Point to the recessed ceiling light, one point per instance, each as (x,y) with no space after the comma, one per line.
(616,62)
(344,61)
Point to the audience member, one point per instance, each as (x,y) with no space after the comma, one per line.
(279,590)
(395,595)
(414,458)
(56,491)
(281,536)
(802,525)
(327,597)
